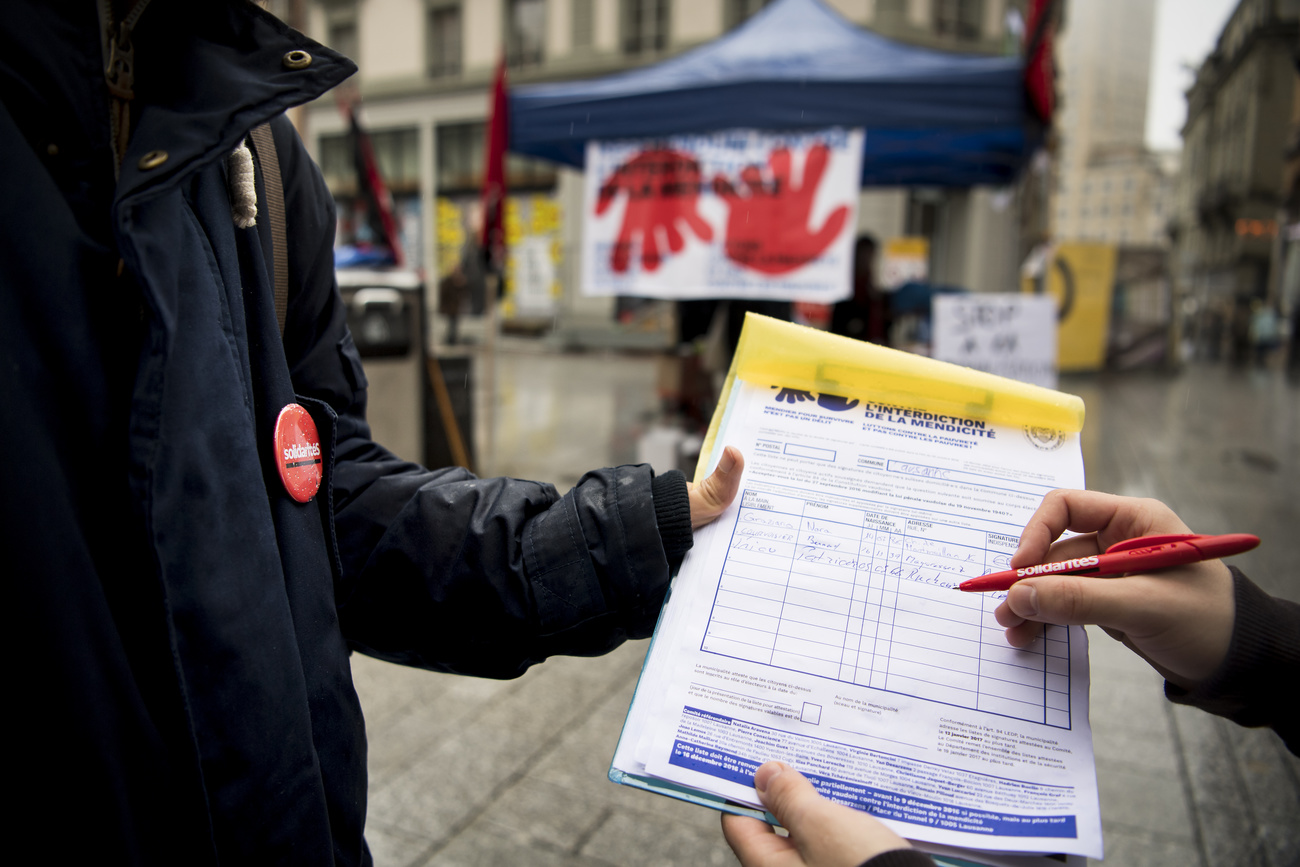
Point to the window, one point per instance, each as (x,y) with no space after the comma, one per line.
(583,13)
(890,16)
(526,173)
(525,32)
(737,12)
(922,215)
(397,154)
(337,166)
(460,157)
(645,26)
(460,162)
(342,35)
(960,19)
(280,9)
(443,44)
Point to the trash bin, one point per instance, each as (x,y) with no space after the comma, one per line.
(385,311)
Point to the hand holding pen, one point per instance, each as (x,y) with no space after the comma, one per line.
(1177,619)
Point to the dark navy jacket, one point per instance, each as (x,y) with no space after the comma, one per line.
(179,626)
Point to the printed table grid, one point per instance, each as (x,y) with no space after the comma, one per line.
(867,597)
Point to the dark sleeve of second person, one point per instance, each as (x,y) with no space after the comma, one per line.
(1257,683)
(900,858)
(444,570)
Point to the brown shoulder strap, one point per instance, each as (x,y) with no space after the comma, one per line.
(264,144)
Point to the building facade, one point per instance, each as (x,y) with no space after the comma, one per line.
(1120,195)
(1109,187)
(425,71)
(1230,192)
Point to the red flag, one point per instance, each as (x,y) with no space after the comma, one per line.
(1040,72)
(494,172)
(371,182)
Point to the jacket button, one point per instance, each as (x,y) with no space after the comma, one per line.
(152,160)
(296,59)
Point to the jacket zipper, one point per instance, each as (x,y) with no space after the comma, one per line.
(119,73)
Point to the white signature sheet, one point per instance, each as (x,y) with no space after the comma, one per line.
(817,622)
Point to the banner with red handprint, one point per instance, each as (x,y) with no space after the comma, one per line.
(736,214)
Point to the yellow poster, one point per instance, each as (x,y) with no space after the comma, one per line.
(450,227)
(905,260)
(534,256)
(534,253)
(1081,277)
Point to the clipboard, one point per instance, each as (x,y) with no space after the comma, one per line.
(796,357)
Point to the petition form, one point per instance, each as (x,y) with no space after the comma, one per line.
(818,622)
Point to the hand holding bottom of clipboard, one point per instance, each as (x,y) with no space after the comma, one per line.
(710,498)
(822,833)
(1179,619)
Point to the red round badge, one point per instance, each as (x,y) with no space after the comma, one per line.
(297,452)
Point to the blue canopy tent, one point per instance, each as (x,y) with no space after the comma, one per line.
(931,117)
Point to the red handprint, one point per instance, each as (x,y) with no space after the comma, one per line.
(767,230)
(662,186)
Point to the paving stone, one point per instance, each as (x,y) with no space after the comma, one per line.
(581,760)
(387,690)
(1271,774)
(1138,801)
(1131,848)
(534,812)
(392,847)
(1150,753)
(1111,656)
(435,705)
(457,778)
(1211,768)
(642,840)
(1230,836)
(480,846)
(1245,790)
(1121,701)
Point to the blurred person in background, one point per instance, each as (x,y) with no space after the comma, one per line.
(862,315)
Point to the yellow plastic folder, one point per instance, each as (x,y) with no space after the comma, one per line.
(772,352)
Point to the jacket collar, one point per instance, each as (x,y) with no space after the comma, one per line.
(207,73)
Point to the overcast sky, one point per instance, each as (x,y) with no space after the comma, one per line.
(1185,33)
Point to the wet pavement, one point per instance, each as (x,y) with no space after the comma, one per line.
(466,771)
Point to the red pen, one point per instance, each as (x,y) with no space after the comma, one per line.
(1143,554)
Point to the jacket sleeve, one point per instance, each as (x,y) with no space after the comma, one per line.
(900,858)
(444,570)
(1255,685)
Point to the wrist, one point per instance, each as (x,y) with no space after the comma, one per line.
(672,514)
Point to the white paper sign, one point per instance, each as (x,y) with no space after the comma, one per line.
(1011,334)
(534,275)
(737,214)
